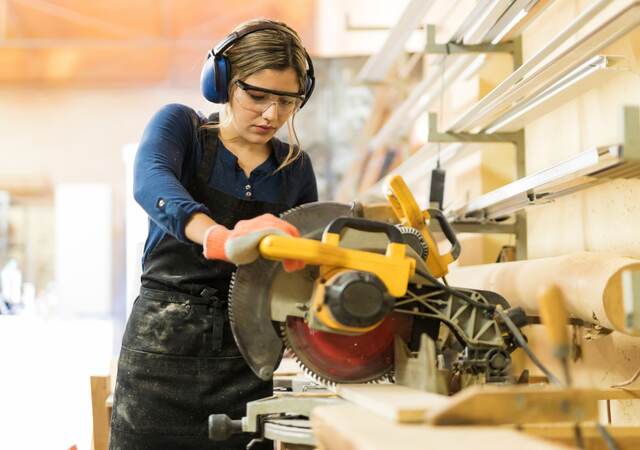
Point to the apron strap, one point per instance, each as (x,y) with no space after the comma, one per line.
(219,305)
(209,149)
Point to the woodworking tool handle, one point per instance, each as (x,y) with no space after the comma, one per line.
(448,231)
(371,226)
(221,427)
(555,318)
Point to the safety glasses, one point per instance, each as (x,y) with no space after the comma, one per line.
(259,99)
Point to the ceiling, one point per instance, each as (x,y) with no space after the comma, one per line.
(125,42)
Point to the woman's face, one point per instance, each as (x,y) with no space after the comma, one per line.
(258,115)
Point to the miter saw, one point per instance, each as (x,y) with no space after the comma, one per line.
(372,274)
(369,298)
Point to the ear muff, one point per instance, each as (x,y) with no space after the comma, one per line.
(214,79)
(216,72)
(311,81)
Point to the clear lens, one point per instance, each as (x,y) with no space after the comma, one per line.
(258,101)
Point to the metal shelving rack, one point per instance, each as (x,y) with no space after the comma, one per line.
(588,168)
(465,43)
(535,87)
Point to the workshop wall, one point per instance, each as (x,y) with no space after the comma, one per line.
(603,218)
(54,136)
(600,219)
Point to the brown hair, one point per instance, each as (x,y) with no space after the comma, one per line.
(277,49)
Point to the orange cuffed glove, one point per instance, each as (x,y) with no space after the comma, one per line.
(240,245)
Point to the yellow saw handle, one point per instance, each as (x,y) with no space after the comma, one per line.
(394,268)
(409,214)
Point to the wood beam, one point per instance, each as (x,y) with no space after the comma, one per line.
(78,18)
(590,283)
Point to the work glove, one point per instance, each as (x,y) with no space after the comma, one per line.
(240,245)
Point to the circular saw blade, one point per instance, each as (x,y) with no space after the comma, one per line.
(337,358)
(251,290)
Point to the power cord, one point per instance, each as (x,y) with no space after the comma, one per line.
(455,292)
(522,342)
(606,437)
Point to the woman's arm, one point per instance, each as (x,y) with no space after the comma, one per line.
(197,227)
(166,145)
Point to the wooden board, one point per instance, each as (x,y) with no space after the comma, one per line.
(490,405)
(394,402)
(350,427)
(626,438)
(486,405)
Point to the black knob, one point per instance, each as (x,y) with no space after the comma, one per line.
(358,299)
(518,316)
(221,427)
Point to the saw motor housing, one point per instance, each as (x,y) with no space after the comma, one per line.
(349,302)
(355,289)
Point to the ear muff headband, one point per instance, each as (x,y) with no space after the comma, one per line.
(216,73)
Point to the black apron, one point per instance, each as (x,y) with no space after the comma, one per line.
(179,362)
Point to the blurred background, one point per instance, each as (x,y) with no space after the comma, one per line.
(79,80)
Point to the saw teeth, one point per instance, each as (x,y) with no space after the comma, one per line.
(317,377)
(310,219)
(310,373)
(424,248)
(230,295)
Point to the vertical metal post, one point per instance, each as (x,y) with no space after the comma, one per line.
(516,52)
(631,123)
(521,216)
(517,138)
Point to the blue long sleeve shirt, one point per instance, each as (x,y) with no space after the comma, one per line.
(168,157)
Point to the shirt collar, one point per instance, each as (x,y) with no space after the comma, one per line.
(228,159)
(274,160)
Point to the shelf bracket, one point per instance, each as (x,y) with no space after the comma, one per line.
(517,139)
(514,137)
(513,47)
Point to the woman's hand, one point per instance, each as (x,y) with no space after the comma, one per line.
(240,245)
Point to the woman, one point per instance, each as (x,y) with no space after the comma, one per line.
(212,189)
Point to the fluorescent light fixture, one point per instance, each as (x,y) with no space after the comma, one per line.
(521,14)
